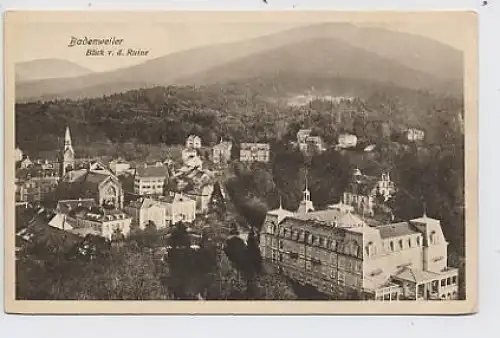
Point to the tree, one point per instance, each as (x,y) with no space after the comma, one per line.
(123,275)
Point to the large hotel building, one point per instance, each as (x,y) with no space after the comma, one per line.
(338,253)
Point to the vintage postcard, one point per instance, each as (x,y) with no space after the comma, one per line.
(241,162)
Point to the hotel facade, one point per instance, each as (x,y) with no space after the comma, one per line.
(336,252)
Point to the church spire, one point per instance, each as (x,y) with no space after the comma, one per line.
(67,139)
(68,154)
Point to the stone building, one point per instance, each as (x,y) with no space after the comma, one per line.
(146,210)
(254,152)
(362,191)
(150,179)
(95,182)
(339,254)
(308,143)
(84,216)
(221,153)
(178,208)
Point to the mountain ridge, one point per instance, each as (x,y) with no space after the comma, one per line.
(175,68)
(48,68)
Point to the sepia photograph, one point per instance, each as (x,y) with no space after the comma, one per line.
(262,162)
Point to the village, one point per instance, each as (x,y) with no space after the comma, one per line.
(339,250)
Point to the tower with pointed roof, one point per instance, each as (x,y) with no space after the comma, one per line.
(68,154)
(306,204)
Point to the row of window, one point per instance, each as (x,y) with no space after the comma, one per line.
(302,236)
(341,279)
(395,245)
(139,181)
(151,187)
(341,262)
(449,281)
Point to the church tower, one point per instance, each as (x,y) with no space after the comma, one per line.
(306,204)
(68,154)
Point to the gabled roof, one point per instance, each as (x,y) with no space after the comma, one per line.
(280,213)
(143,203)
(59,221)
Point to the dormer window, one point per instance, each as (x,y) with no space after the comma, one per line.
(432,237)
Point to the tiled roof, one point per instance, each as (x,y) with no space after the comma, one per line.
(155,171)
(39,228)
(175,198)
(328,215)
(260,146)
(396,230)
(142,203)
(95,178)
(64,206)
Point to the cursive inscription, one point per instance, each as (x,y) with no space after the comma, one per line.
(107,46)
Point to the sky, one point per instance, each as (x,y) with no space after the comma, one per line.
(41,37)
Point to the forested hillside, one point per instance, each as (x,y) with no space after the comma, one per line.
(239,111)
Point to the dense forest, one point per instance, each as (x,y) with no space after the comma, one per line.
(238,112)
(428,174)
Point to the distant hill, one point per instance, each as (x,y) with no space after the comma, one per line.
(335,49)
(326,58)
(48,69)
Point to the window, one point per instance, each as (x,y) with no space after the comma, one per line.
(418,240)
(454,280)
(301,236)
(433,237)
(401,244)
(391,244)
(448,281)
(434,285)
(281,244)
(321,242)
(409,242)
